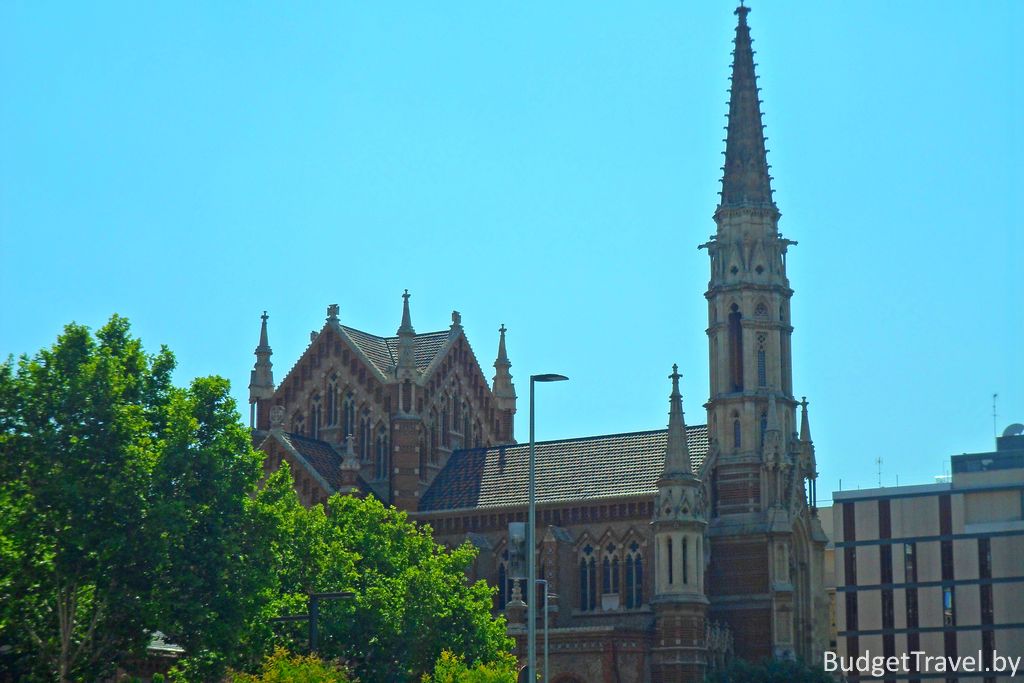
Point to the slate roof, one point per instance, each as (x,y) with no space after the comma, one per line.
(383,351)
(607,466)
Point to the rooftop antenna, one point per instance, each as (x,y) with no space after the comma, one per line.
(878,461)
(994,397)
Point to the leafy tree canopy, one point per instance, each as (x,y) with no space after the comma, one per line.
(412,599)
(123,504)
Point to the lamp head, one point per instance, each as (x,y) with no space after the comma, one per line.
(548,378)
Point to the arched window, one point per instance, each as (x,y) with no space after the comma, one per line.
(736,348)
(349,410)
(332,401)
(444,426)
(365,436)
(505,583)
(381,469)
(299,424)
(762,366)
(761,310)
(686,560)
(764,426)
(588,580)
(610,571)
(736,432)
(316,415)
(634,577)
(433,456)
(668,552)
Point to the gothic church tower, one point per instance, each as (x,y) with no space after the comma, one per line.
(761,517)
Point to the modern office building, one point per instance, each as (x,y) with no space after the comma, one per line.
(935,568)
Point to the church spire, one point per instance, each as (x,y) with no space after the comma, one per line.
(677,455)
(745,182)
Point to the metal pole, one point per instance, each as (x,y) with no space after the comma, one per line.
(531,553)
(314,613)
(546,632)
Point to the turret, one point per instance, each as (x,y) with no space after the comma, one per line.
(679,602)
(261,381)
(504,390)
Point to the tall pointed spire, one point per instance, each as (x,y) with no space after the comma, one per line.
(677,455)
(745,182)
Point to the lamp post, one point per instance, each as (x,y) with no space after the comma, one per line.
(547,595)
(531,542)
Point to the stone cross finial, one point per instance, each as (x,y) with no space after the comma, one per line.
(456,318)
(332,313)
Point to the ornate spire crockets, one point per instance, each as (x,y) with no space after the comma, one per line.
(677,455)
(261,380)
(745,181)
(504,390)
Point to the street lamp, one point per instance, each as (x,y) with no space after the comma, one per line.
(547,596)
(531,543)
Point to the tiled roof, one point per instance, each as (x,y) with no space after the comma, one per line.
(383,351)
(607,466)
(320,455)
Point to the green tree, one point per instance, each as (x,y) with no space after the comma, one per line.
(453,669)
(125,507)
(412,599)
(206,583)
(769,671)
(78,443)
(284,667)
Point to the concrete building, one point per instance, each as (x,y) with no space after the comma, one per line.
(935,568)
(669,550)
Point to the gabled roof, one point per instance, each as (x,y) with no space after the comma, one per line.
(585,469)
(318,456)
(383,351)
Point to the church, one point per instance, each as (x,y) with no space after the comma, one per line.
(668,551)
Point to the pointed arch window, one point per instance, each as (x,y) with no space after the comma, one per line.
(365,436)
(736,348)
(736,431)
(381,461)
(762,365)
(504,582)
(444,426)
(299,424)
(332,401)
(764,427)
(634,577)
(686,560)
(588,580)
(348,409)
(316,416)
(668,553)
(610,571)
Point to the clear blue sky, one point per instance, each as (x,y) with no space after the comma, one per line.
(550,166)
